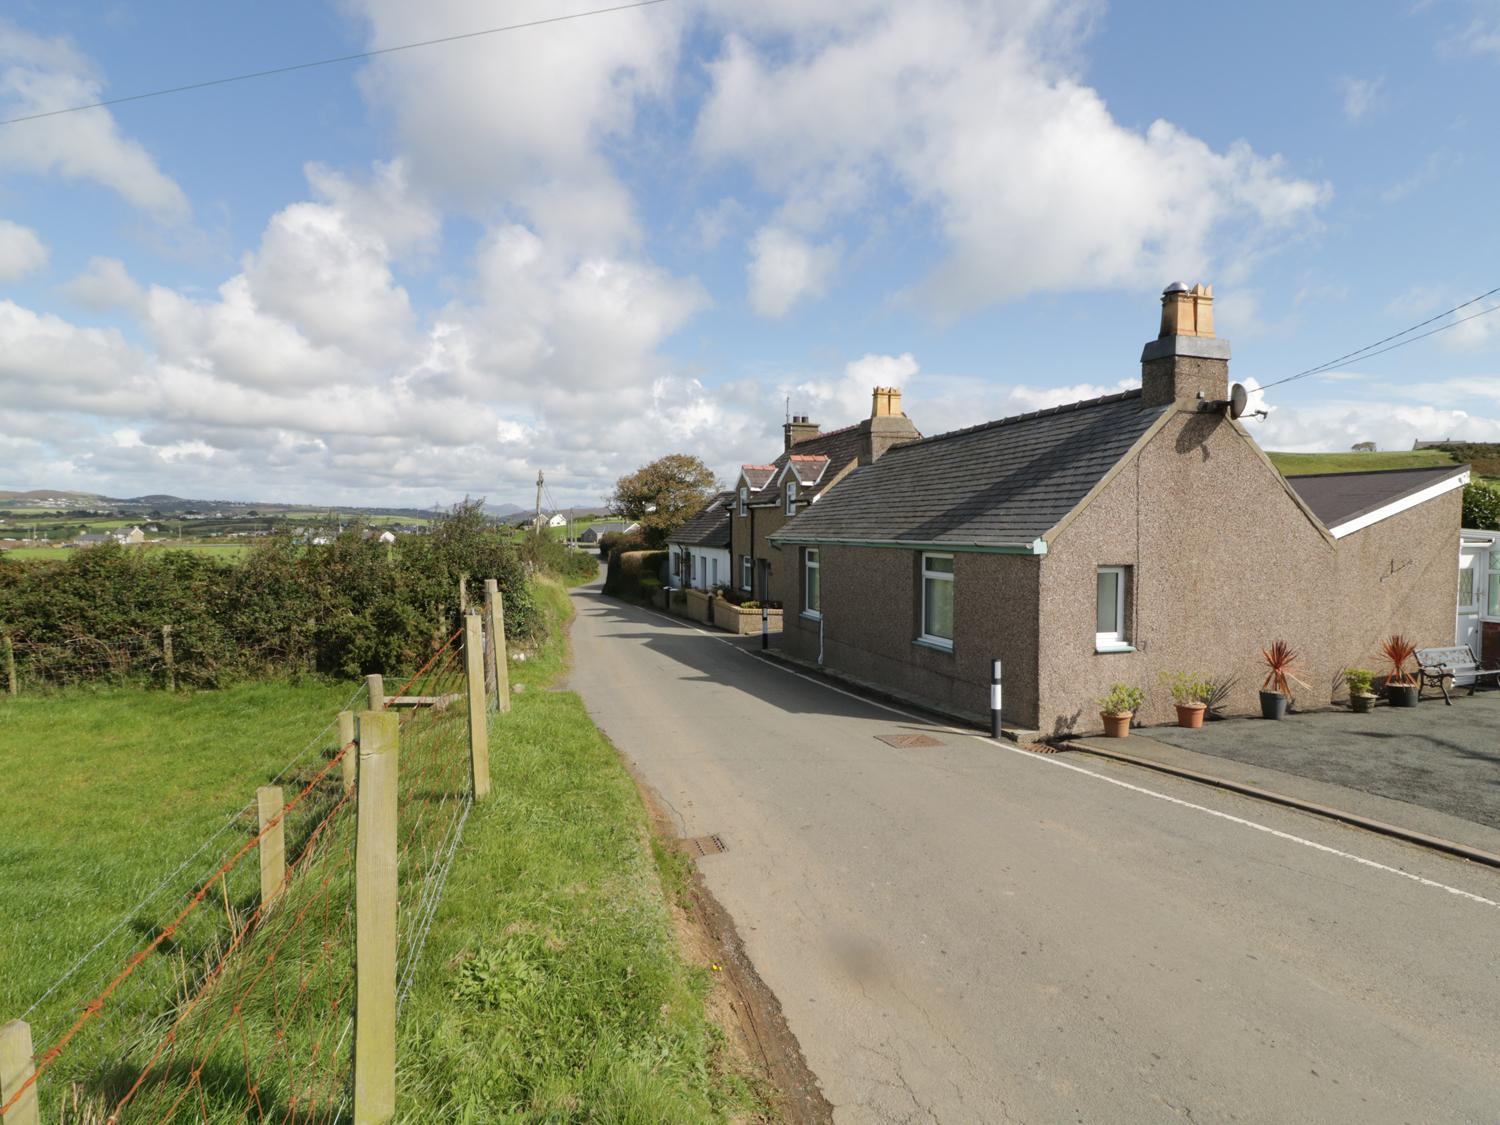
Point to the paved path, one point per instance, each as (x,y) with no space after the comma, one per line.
(975,933)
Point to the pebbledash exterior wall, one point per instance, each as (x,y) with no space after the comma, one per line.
(1223,560)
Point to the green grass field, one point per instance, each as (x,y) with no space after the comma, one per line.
(551,987)
(105,793)
(58,554)
(1301,464)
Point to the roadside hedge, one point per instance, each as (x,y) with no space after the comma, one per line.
(351,607)
(1482,506)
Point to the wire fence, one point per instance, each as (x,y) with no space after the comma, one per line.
(224,997)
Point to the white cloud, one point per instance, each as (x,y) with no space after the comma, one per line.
(1337,425)
(21,252)
(785,269)
(519,119)
(104,285)
(37,75)
(974,112)
(1360,95)
(383,203)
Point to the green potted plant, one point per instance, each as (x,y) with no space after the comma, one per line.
(1400,685)
(1118,707)
(1276,690)
(1190,694)
(1361,683)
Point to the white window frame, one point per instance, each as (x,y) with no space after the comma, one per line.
(744,500)
(791,498)
(747,573)
(924,636)
(1114,640)
(811,565)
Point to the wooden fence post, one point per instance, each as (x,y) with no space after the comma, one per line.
(16,1067)
(479,735)
(463,592)
(494,605)
(498,651)
(351,756)
(269,803)
(10,665)
(167,658)
(375,897)
(375,687)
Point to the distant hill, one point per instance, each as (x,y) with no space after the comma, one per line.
(48,494)
(169,504)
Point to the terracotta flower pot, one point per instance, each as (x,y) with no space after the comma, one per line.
(1117,726)
(1190,715)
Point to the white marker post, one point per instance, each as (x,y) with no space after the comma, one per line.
(995,699)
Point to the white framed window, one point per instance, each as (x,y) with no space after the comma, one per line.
(812,583)
(745,572)
(1113,586)
(791,498)
(713,570)
(1492,583)
(937,600)
(744,500)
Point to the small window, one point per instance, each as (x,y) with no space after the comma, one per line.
(745,572)
(744,501)
(791,498)
(1109,610)
(812,583)
(937,600)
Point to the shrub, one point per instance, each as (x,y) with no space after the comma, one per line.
(629,570)
(1279,659)
(1122,698)
(1188,687)
(350,607)
(1397,650)
(548,555)
(1361,681)
(1482,506)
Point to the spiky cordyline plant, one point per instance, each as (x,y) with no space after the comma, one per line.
(1397,650)
(1279,658)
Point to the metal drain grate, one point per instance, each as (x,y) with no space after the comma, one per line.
(908,741)
(700,846)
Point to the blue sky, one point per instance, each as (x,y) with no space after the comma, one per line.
(579,246)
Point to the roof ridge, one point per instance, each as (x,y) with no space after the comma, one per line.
(1047,411)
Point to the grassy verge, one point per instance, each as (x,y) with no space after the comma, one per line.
(105,793)
(552,988)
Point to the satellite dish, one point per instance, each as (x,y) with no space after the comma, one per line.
(1238,400)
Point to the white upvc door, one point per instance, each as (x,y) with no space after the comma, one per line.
(1473,576)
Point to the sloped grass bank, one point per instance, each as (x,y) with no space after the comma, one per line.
(552,988)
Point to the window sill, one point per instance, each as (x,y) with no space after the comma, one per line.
(1112,646)
(811,615)
(937,644)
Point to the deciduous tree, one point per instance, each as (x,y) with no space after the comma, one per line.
(663,495)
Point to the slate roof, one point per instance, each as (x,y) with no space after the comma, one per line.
(1337,498)
(1000,484)
(807,468)
(709,528)
(758,475)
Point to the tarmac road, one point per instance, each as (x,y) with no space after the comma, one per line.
(972,932)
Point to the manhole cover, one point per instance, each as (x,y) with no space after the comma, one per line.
(700,846)
(908,741)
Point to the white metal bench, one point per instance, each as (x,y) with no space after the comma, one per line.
(1437,665)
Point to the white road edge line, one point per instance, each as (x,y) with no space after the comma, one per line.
(1045,760)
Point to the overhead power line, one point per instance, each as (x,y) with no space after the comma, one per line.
(1371,350)
(356,57)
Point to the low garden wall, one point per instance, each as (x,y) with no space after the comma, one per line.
(696,606)
(744,622)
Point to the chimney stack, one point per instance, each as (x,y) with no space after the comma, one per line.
(1186,363)
(886,402)
(799,429)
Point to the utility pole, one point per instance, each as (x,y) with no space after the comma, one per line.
(539,481)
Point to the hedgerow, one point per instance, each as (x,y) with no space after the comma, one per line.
(350,607)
